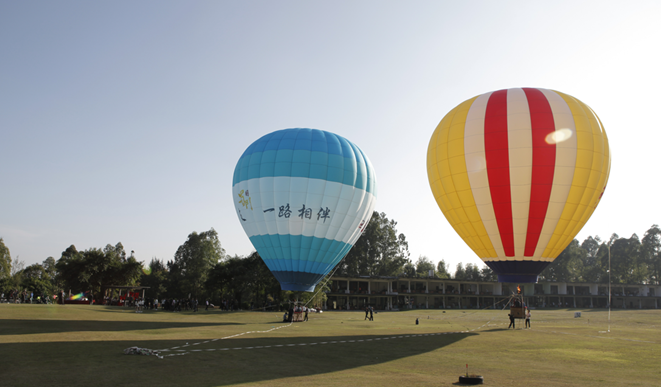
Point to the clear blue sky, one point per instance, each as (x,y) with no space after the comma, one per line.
(123,121)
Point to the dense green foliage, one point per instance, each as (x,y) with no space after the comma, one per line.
(94,270)
(5,266)
(5,261)
(632,260)
(193,260)
(379,251)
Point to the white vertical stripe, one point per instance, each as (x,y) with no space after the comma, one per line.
(519,137)
(477,172)
(565,164)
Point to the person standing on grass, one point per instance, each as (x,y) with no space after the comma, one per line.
(512,325)
(371,313)
(305,308)
(528,318)
(367,312)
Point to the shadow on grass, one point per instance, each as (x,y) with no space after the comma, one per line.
(27,327)
(102,363)
(495,329)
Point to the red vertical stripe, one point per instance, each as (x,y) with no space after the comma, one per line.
(498,166)
(543,165)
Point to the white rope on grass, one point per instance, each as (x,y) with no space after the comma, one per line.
(184,352)
(158,352)
(180,351)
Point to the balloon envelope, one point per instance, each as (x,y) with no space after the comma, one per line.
(303,197)
(517,173)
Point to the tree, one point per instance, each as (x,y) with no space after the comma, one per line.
(194,259)
(639,273)
(5,261)
(37,280)
(244,281)
(486,274)
(70,268)
(626,264)
(155,278)
(109,267)
(379,251)
(317,298)
(409,270)
(567,266)
(424,266)
(592,268)
(5,267)
(94,269)
(441,270)
(50,268)
(459,273)
(472,273)
(650,251)
(15,280)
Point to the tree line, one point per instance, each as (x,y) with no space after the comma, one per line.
(201,268)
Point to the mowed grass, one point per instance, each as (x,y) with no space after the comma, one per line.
(80,345)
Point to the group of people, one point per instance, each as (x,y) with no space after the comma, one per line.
(527,319)
(177,305)
(171,305)
(140,304)
(369,313)
(24,297)
(294,313)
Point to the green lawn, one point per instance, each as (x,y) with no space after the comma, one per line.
(81,345)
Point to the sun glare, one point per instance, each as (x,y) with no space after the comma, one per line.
(559,135)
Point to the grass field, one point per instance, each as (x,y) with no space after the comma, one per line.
(80,345)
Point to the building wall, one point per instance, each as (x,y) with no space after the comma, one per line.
(398,293)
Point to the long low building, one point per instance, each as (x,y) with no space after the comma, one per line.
(398,293)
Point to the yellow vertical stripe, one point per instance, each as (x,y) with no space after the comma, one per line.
(590,176)
(446,169)
(485,219)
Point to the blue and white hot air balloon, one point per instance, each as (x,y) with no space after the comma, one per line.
(303,196)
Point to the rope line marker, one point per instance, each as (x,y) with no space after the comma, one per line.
(323,342)
(185,351)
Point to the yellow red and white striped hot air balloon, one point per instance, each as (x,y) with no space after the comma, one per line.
(517,173)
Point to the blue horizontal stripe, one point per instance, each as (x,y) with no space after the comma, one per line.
(297,281)
(309,153)
(299,253)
